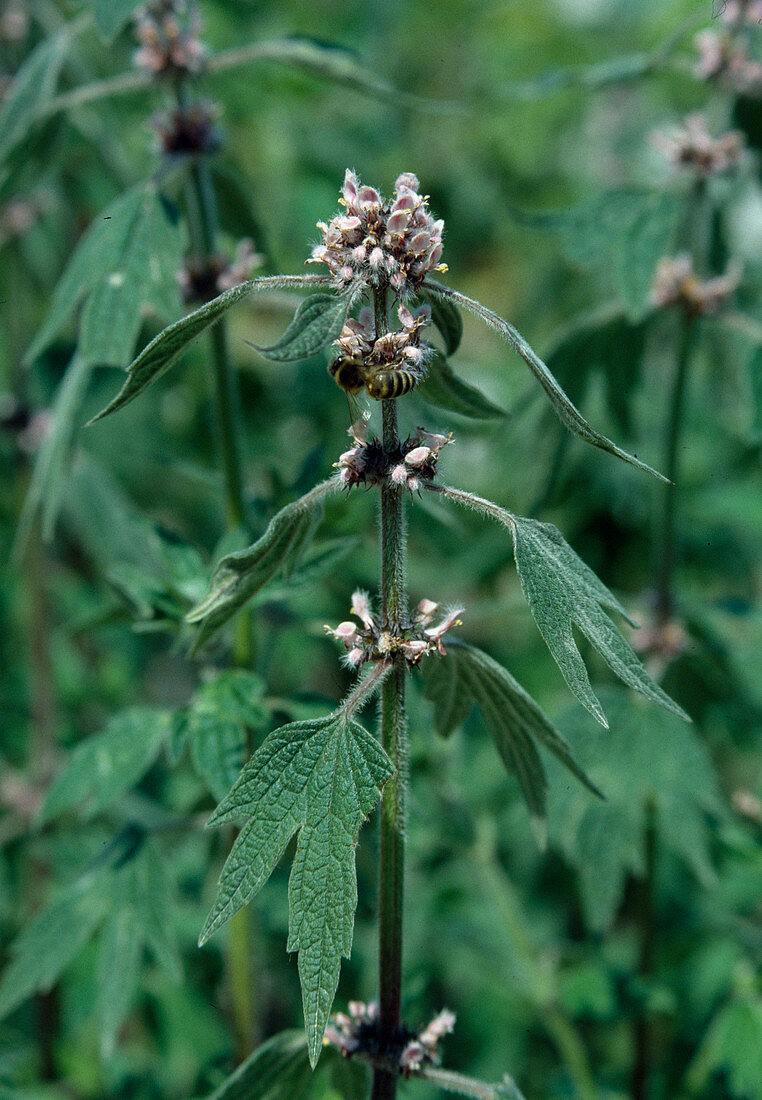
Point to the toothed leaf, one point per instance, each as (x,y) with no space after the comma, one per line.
(320,779)
(563,592)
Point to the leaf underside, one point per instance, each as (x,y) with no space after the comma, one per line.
(319,779)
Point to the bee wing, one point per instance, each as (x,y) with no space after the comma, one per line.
(359,407)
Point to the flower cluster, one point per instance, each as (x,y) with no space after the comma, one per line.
(726,58)
(381,243)
(737,12)
(370,642)
(188,130)
(693,146)
(204,277)
(391,350)
(357,1033)
(410,466)
(676,284)
(167,31)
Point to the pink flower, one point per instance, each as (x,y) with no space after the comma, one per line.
(391,244)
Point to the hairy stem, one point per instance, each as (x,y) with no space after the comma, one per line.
(394,740)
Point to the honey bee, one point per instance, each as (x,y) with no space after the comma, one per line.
(380,381)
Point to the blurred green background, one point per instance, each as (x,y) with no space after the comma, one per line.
(540,952)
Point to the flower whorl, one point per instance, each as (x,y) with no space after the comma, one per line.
(394,243)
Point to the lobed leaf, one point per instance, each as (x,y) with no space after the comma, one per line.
(317,322)
(239,576)
(277,1070)
(566,411)
(321,779)
(104,766)
(442,387)
(563,592)
(513,718)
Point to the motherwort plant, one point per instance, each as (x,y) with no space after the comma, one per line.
(321,778)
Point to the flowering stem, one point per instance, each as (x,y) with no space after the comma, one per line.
(394,740)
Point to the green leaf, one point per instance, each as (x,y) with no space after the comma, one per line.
(317,322)
(447,319)
(48,944)
(563,592)
(320,779)
(624,233)
(158,356)
(104,766)
(733,1044)
(145,275)
(139,892)
(119,959)
(318,562)
(48,474)
(648,758)
(112,15)
(565,409)
(447,686)
(442,387)
(278,1070)
(239,576)
(31,91)
(513,718)
(127,259)
(217,720)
